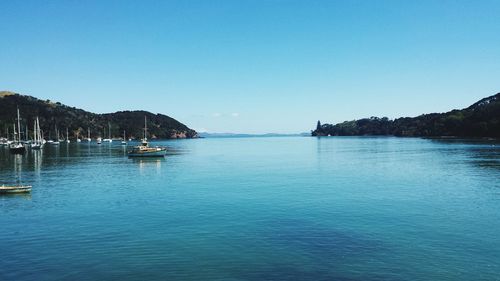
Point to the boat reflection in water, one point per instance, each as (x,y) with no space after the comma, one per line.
(17,187)
(146,165)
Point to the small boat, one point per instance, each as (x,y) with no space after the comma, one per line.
(56,141)
(144,150)
(67,137)
(88,135)
(4,189)
(109,139)
(99,140)
(17,147)
(37,136)
(124,142)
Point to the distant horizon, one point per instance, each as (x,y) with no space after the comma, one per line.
(251,66)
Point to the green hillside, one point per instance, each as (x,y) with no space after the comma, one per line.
(482,119)
(52,114)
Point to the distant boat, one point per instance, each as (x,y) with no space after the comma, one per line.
(109,134)
(124,142)
(88,135)
(144,150)
(15,189)
(57,141)
(37,136)
(99,140)
(67,136)
(17,147)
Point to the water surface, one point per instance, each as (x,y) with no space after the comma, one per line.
(294,208)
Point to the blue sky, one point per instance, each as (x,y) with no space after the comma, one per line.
(253,66)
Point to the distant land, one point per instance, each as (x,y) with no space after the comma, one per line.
(236,135)
(52,114)
(482,119)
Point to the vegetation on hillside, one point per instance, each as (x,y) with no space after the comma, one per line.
(55,114)
(481,119)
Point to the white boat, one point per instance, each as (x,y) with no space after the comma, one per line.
(5,189)
(99,140)
(88,135)
(144,150)
(124,142)
(37,136)
(17,147)
(56,141)
(67,137)
(109,139)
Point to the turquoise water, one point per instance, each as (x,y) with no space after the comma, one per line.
(296,208)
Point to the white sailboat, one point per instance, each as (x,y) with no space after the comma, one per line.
(88,135)
(124,142)
(37,136)
(67,136)
(109,134)
(17,146)
(56,142)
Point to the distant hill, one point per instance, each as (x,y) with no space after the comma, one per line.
(236,135)
(52,114)
(482,119)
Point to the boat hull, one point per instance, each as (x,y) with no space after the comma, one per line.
(17,150)
(14,189)
(160,153)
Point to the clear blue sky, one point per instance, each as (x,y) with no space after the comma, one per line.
(253,66)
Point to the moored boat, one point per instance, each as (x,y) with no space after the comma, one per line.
(37,136)
(17,147)
(144,150)
(124,140)
(5,189)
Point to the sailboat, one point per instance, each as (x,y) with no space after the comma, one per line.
(6,189)
(17,146)
(37,136)
(124,142)
(56,142)
(18,187)
(67,136)
(109,134)
(88,135)
(144,150)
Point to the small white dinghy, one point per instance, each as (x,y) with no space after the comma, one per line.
(5,189)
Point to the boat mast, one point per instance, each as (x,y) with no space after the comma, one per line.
(34,133)
(145,129)
(18,125)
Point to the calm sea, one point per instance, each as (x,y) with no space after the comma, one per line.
(290,208)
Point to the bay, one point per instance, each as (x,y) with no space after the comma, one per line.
(277,208)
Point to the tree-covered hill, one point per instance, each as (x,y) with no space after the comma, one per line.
(482,119)
(52,114)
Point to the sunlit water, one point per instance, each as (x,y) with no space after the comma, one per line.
(255,209)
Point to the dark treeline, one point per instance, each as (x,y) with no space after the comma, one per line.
(52,114)
(481,119)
